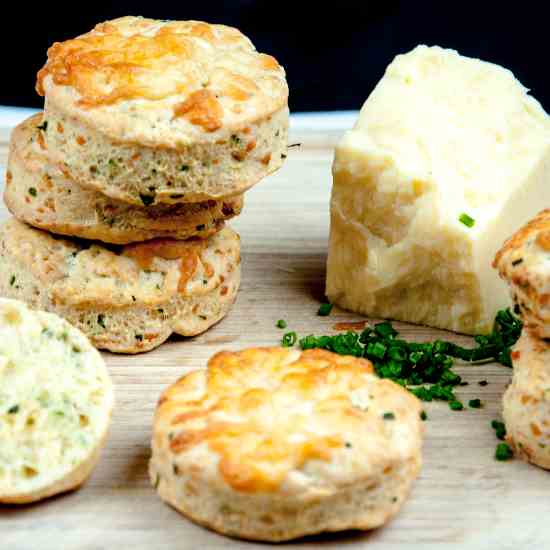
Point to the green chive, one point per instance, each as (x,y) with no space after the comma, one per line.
(101,320)
(456,405)
(32,191)
(13,410)
(466,220)
(43,126)
(483,382)
(389,416)
(500,429)
(324,310)
(423,416)
(147,199)
(184,168)
(503,452)
(139,337)
(289,339)
(474,403)
(281,323)
(12,280)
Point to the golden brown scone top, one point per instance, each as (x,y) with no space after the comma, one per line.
(204,71)
(266,412)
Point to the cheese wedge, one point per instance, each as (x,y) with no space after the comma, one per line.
(449,156)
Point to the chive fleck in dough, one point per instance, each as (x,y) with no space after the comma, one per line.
(126,299)
(526,402)
(164,111)
(273,444)
(38,193)
(56,399)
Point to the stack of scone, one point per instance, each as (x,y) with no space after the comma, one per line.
(524,262)
(151,132)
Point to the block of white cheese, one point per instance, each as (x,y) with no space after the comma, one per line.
(449,156)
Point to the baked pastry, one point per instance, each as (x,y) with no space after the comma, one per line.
(56,399)
(523,263)
(526,402)
(274,443)
(150,111)
(126,299)
(37,192)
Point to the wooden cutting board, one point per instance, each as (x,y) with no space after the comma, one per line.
(463,497)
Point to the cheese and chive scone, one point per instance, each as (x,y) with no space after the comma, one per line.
(126,299)
(150,111)
(56,400)
(526,402)
(448,157)
(39,193)
(274,444)
(524,263)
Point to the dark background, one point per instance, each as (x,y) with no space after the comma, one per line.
(333,52)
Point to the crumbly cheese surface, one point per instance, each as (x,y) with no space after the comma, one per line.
(55,399)
(441,135)
(159,78)
(279,420)
(524,263)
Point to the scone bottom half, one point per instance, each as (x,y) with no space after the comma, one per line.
(126,299)
(274,444)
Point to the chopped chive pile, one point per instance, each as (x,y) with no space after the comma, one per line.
(425,368)
(503,452)
(281,323)
(324,310)
(466,220)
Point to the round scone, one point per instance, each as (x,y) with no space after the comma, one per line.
(39,193)
(526,402)
(150,111)
(274,443)
(56,399)
(128,298)
(524,263)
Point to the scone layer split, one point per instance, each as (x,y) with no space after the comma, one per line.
(40,193)
(124,298)
(56,399)
(273,444)
(158,111)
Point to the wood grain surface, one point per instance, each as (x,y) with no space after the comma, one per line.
(463,497)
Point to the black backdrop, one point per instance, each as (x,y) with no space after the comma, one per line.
(334,52)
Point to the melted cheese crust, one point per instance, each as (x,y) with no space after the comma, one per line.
(267,414)
(203,73)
